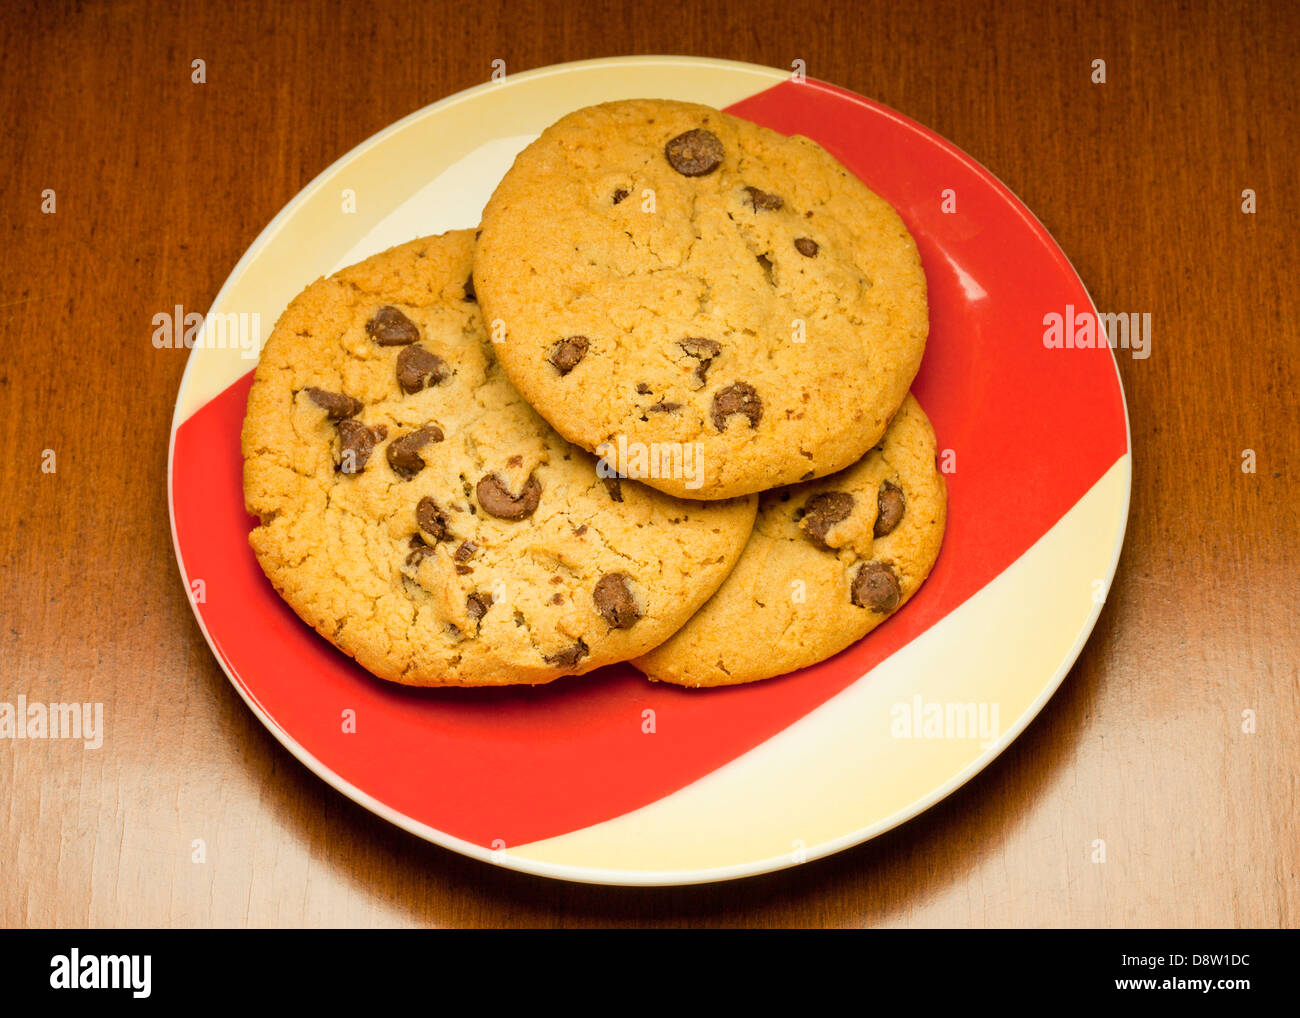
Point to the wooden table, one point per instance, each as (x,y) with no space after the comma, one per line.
(160,184)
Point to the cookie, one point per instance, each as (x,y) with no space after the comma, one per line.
(827,562)
(673,287)
(421,517)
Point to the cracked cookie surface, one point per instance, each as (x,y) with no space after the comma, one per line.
(827,562)
(424,519)
(662,272)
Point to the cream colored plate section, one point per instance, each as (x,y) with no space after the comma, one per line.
(807,791)
(430,172)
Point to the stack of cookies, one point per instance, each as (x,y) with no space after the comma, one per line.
(654,410)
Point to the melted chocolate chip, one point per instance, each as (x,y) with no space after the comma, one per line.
(806,246)
(417,368)
(761,201)
(876,587)
(704,350)
(495,498)
(477,605)
(404,453)
(698,346)
(389,327)
(889,508)
(738,398)
(432,519)
(568,657)
(615,602)
(695,153)
(823,511)
(336,405)
(419,550)
(356,443)
(568,352)
(620,194)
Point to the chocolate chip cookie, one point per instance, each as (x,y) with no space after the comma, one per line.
(827,562)
(418,513)
(709,305)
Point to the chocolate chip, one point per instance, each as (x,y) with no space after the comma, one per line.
(876,587)
(465,551)
(477,605)
(418,368)
(739,398)
(761,201)
(823,511)
(663,407)
(420,548)
(615,602)
(806,246)
(335,404)
(614,486)
(495,498)
(698,346)
(889,508)
(695,153)
(704,350)
(463,570)
(620,194)
(404,453)
(557,599)
(431,518)
(470,296)
(568,352)
(356,443)
(389,327)
(568,657)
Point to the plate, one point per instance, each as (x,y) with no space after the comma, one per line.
(608,778)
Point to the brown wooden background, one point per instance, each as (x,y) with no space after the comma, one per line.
(161,185)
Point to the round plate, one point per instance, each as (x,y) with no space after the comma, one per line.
(608,778)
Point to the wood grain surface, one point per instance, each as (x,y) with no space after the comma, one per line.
(161,185)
